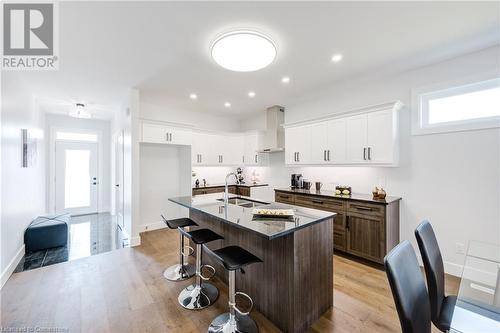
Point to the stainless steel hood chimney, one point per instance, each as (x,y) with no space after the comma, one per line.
(274,138)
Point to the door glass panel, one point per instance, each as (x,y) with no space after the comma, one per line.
(77,178)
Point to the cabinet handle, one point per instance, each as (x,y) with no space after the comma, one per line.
(324,155)
(363,208)
(298,156)
(242,159)
(170,137)
(255,158)
(222,158)
(364,153)
(166,136)
(317,202)
(328,158)
(347,222)
(295,156)
(201,158)
(285,196)
(370,153)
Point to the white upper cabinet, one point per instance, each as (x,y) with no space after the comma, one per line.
(251,145)
(319,143)
(356,139)
(298,145)
(368,137)
(382,137)
(337,144)
(157,133)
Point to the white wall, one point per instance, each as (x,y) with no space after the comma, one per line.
(452,179)
(19,185)
(165,171)
(101,126)
(196,119)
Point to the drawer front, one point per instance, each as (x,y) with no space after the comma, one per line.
(339,241)
(214,190)
(365,208)
(198,191)
(322,203)
(284,197)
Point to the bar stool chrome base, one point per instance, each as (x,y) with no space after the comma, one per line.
(242,324)
(179,272)
(196,297)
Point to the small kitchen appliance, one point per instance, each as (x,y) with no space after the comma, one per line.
(296,181)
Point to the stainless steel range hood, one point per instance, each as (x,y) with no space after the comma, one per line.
(274,138)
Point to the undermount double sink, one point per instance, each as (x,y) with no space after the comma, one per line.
(243,202)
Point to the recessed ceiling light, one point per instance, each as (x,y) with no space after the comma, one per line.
(193,96)
(227,105)
(243,51)
(285,79)
(251,94)
(336,57)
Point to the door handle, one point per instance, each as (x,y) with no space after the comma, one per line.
(94,183)
(117,185)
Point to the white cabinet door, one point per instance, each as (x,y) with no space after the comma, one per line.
(251,146)
(337,144)
(233,150)
(319,143)
(304,145)
(154,133)
(197,149)
(381,137)
(356,127)
(157,133)
(179,136)
(291,144)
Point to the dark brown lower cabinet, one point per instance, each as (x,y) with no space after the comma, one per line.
(368,230)
(365,236)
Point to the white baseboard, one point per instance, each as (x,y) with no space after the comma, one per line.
(153,226)
(7,272)
(135,241)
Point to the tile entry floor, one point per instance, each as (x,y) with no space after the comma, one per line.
(88,235)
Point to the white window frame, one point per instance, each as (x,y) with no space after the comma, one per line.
(421,96)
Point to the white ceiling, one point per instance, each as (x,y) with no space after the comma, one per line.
(163,49)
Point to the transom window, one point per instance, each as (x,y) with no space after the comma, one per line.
(471,106)
(76,136)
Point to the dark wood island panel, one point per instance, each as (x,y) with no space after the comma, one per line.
(293,287)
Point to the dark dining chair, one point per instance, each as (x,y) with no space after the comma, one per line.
(408,289)
(441,306)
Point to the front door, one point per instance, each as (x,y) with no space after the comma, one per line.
(76,178)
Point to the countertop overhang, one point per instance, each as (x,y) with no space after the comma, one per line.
(239,185)
(242,217)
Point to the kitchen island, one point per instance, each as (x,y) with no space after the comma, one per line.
(293,286)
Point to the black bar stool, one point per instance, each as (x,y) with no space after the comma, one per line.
(182,270)
(234,258)
(200,294)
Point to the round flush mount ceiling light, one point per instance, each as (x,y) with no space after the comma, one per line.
(251,94)
(337,57)
(243,51)
(193,96)
(227,105)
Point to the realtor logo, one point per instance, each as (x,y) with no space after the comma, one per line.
(29,36)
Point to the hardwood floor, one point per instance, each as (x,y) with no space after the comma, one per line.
(124,291)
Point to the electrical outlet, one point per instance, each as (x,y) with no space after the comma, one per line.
(460,248)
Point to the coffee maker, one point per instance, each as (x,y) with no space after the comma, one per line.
(296,181)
